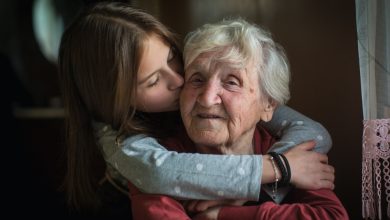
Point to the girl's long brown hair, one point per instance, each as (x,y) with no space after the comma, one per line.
(98,63)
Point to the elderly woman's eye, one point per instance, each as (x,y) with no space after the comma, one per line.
(196,80)
(233,81)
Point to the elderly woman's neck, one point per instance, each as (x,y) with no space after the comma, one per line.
(242,145)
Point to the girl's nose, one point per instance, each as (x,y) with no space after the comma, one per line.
(176,81)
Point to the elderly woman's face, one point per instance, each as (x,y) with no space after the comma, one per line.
(220,104)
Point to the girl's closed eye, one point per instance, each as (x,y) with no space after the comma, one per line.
(154,81)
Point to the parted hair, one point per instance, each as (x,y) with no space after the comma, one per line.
(242,42)
(98,62)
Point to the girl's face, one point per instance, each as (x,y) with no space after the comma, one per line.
(159,77)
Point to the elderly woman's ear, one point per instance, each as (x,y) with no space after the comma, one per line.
(268,110)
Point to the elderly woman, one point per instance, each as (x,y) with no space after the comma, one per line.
(235,77)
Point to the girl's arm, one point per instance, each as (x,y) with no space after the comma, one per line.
(293,128)
(154,169)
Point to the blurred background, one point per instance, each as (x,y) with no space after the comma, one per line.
(319,38)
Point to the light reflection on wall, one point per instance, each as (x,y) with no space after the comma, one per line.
(48,27)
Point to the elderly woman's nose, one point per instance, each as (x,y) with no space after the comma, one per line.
(210,94)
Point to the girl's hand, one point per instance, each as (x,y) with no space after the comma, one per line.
(309,169)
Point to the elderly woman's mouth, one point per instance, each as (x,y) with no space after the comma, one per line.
(208,116)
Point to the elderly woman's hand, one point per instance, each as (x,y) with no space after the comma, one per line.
(209,214)
(209,209)
(195,206)
(309,169)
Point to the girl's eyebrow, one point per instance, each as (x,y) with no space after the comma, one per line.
(148,77)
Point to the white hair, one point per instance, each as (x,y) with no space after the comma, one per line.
(242,42)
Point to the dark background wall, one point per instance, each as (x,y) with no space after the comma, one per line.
(320,41)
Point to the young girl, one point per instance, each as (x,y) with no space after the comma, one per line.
(121,70)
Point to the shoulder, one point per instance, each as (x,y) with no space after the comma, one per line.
(263,139)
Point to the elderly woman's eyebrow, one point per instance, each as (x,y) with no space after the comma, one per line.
(196,67)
